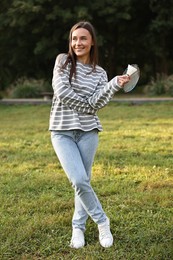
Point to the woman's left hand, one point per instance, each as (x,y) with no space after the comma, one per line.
(123,79)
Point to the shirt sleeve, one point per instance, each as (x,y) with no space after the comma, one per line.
(104,92)
(65,93)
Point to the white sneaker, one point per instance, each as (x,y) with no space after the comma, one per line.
(77,239)
(105,236)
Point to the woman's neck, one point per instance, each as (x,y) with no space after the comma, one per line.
(84,60)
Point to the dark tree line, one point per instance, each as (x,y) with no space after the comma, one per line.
(33,32)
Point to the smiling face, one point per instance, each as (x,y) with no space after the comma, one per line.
(81,43)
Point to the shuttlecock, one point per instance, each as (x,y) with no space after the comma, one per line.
(130,70)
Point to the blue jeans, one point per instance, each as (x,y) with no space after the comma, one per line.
(75,150)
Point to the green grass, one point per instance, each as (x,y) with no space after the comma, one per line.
(132,176)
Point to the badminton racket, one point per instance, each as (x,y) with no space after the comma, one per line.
(134,73)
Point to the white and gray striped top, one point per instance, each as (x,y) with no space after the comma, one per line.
(75,104)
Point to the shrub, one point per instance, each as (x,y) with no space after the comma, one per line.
(29,88)
(169,85)
(163,85)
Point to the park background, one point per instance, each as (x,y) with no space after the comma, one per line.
(33,33)
(132,172)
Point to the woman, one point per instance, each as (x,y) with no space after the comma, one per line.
(80,89)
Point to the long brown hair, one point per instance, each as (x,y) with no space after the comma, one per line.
(71,56)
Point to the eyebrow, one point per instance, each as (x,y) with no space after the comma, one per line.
(83,36)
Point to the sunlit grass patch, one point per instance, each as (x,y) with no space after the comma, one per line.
(132,175)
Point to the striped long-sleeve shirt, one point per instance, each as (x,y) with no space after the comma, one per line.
(75,104)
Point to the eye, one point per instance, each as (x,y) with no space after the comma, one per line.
(74,38)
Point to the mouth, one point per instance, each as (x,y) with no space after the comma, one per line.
(79,49)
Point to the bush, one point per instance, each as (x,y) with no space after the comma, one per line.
(169,85)
(29,88)
(161,86)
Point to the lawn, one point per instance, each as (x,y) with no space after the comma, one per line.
(132,175)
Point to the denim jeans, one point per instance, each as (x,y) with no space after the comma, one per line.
(75,150)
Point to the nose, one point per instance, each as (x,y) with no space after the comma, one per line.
(78,42)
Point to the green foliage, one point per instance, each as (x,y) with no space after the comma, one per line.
(33,32)
(132,176)
(161,86)
(29,88)
(168,85)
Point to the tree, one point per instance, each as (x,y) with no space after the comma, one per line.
(160,34)
(33,32)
